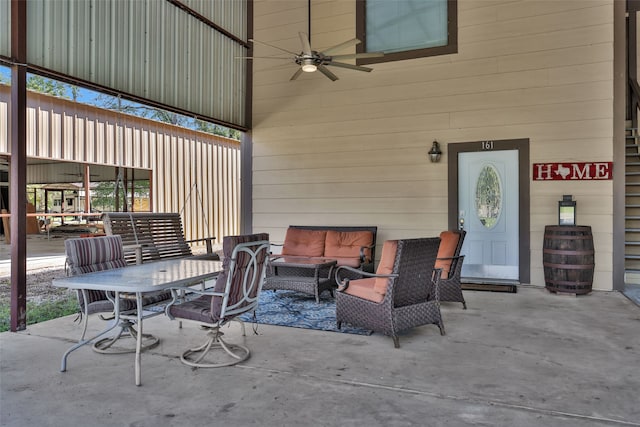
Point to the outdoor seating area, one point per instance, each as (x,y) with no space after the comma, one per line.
(105,283)
(403,294)
(525,371)
(305,261)
(462,175)
(525,359)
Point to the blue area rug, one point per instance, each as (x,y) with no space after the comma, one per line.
(298,310)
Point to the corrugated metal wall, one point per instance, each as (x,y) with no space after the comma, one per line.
(147,48)
(230,14)
(192,172)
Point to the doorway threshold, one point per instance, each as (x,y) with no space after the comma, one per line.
(489,285)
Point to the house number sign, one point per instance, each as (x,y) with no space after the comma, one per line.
(585,171)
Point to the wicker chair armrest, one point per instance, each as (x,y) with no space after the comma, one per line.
(343,284)
(456,264)
(452,258)
(435,279)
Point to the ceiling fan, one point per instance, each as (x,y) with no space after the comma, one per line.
(311,60)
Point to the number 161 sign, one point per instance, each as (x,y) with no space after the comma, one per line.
(586,171)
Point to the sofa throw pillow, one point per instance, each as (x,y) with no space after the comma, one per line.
(347,244)
(304,242)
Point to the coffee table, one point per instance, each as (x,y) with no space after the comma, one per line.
(308,275)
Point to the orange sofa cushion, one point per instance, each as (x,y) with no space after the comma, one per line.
(349,262)
(364,288)
(447,249)
(385,266)
(347,244)
(301,242)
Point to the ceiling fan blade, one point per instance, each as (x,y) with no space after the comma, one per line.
(358,55)
(261,57)
(296,74)
(349,66)
(306,46)
(343,45)
(324,70)
(273,46)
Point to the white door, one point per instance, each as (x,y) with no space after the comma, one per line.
(488,211)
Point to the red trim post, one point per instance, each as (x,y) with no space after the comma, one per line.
(17,192)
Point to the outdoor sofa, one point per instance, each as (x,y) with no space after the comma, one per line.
(352,246)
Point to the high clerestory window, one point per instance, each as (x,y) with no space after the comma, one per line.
(405,29)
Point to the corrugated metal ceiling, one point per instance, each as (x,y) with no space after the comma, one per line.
(150,49)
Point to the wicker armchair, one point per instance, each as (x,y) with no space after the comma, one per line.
(236,291)
(86,255)
(450,261)
(401,295)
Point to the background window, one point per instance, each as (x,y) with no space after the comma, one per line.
(405,29)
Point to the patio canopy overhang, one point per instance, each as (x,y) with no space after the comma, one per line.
(101,45)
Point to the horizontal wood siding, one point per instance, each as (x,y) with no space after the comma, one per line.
(354,151)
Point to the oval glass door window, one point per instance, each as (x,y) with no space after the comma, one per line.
(488,196)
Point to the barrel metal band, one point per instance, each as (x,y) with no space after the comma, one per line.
(565,282)
(567,237)
(565,252)
(569,266)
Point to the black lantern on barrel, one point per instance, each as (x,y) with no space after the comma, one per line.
(567,210)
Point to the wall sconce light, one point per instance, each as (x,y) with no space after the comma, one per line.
(435,153)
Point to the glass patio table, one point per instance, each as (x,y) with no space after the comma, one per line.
(139,279)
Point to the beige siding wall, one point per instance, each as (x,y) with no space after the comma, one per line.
(354,151)
(194,173)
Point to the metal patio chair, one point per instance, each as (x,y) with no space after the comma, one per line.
(86,255)
(236,291)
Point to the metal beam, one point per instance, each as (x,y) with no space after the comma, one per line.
(246,141)
(18,176)
(87,188)
(180,5)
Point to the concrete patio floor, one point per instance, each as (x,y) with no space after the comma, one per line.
(525,359)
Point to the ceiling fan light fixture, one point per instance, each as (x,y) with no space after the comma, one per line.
(308,66)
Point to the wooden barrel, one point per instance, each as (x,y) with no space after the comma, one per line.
(568,259)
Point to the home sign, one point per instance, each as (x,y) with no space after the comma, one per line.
(585,171)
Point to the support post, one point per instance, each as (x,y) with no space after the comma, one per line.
(18,190)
